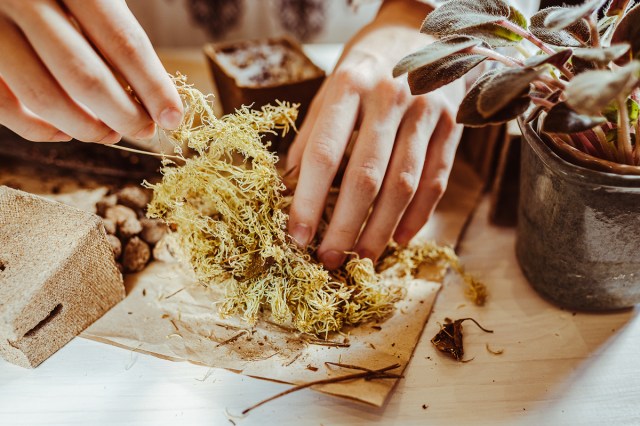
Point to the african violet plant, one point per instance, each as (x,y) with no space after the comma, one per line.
(579,75)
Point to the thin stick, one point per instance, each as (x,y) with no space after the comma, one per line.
(476,322)
(139,151)
(593,29)
(328,343)
(491,54)
(231,339)
(362,375)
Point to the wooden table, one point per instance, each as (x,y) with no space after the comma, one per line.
(558,367)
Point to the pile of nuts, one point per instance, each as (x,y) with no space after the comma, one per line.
(132,236)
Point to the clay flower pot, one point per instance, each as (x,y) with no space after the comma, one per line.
(259,72)
(578,236)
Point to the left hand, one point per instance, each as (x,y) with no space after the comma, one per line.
(402,156)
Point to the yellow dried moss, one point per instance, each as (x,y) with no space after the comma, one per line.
(227,208)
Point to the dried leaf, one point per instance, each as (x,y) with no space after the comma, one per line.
(505,87)
(628,30)
(435,75)
(566,16)
(469,115)
(590,92)
(558,59)
(449,338)
(436,51)
(562,119)
(574,35)
(602,55)
(475,18)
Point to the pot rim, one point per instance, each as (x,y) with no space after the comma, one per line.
(560,166)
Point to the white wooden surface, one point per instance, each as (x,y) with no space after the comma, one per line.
(557,368)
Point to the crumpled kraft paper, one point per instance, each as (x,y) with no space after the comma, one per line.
(167,315)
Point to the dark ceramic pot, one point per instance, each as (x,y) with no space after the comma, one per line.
(578,237)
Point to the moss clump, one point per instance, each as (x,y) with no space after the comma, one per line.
(227,208)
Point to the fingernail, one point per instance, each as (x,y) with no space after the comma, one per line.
(147,132)
(365,254)
(170,118)
(62,137)
(332,259)
(301,233)
(111,138)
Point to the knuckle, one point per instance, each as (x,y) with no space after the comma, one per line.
(324,155)
(346,78)
(126,42)
(406,184)
(394,91)
(438,186)
(85,81)
(367,179)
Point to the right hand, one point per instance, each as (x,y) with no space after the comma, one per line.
(61,67)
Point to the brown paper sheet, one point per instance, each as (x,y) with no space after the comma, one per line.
(168,316)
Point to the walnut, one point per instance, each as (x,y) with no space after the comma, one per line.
(129,228)
(116,245)
(133,196)
(136,255)
(109,226)
(119,214)
(152,230)
(106,202)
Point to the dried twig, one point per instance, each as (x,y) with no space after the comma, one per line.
(365,374)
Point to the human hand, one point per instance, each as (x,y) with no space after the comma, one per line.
(401,158)
(60,65)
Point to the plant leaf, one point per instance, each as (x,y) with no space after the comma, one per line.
(562,119)
(590,92)
(456,15)
(504,87)
(574,35)
(436,51)
(602,55)
(567,16)
(616,7)
(629,30)
(469,115)
(611,111)
(475,18)
(558,59)
(437,74)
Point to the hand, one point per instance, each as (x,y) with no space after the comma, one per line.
(401,158)
(60,66)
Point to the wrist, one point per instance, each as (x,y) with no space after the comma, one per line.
(410,13)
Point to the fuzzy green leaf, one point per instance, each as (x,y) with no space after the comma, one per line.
(562,119)
(436,51)
(475,18)
(504,87)
(574,35)
(469,115)
(558,59)
(602,55)
(437,74)
(590,92)
(567,16)
(628,30)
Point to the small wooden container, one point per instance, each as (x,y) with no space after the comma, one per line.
(259,72)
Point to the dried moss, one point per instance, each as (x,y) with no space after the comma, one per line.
(227,208)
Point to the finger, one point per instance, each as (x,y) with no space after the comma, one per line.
(362,179)
(294,155)
(401,180)
(320,162)
(79,69)
(32,83)
(14,116)
(440,156)
(118,35)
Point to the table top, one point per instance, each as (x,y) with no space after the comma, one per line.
(558,367)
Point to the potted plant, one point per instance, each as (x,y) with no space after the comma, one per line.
(572,81)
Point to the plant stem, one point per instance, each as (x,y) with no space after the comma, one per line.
(593,29)
(535,40)
(624,139)
(586,144)
(604,144)
(542,102)
(492,54)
